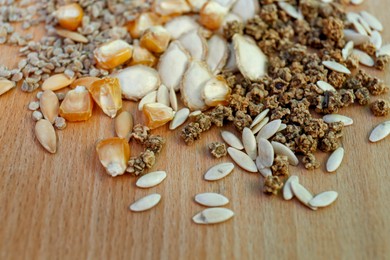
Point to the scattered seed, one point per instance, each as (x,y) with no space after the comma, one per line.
(6,85)
(56,82)
(46,135)
(372,21)
(323,199)
(290,10)
(34,105)
(384,50)
(249,142)
(332,118)
(347,50)
(60,123)
(265,171)
(213,216)
(151,179)
(284,150)
(242,160)
(145,203)
(219,171)
(359,27)
(266,152)
(217,53)
(36,116)
(179,118)
(259,126)
(356,38)
(195,113)
(232,140)
(49,105)
(287,190)
(325,86)
(259,118)
(269,129)
(163,95)
(210,199)
(380,132)
(363,58)
(332,65)
(173,99)
(376,39)
(357,2)
(335,160)
(74,36)
(302,194)
(282,127)
(124,125)
(149,98)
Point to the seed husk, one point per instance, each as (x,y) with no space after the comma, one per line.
(302,194)
(49,105)
(242,160)
(372,21)
(363,58)
(287,190)
(325,86)
(216,92)
(173,99)
(179,118)
(6,85)
(181,25)
(218,171)
(57,82)
(74,36)
(145,203)
(246,9)
(284,150)
(147,99)
(335,160)
(266,152)
(232,140)
(46,135)
(332,65)
(195,44)
(259,126)
(249,142)
(163,95)
(323,199)
(380,132)
(211,199)
(213,216)
(259,117)
(269,129)
(332,118)
(124,125)
(151,179)
(217,53)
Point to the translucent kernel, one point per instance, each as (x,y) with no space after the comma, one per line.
(70,16)
(77,105)
(114,154)
(143,56)
(157,114)
(107,94)
(144,21)
(113,54)
(155,39)
(85,82)
(212,15)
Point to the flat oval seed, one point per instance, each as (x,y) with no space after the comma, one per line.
(302,194)
(259,126)
(332,65)
(372,21)
(249,142)
(356,38)
(179,118)
(163,95)
(284,150)
(384,50)
(363,58)
(376,39)
(173,99)
(332,118)
(145,203)
(210,199)
(213,216)
(124,125)
(232,140)
(287,190)
(335,159)
(259,117)
(151,179)
(266,152)
(269,129)
(347,50)
(380,132)
(219,171)
(323,199)
(149,98)
(6,85)
(46,135)
(49,105)
(265,171)
(57,82)
(325,86)
(242,160)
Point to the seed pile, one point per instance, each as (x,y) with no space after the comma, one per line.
(263,66)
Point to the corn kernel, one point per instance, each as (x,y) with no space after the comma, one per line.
(85,82)
(114,154)
(107,94)
(143,57)
(212,15)
(77,105)
(144,21)
(113,54)
(171,7)
(155,39)
(70,16)
(157,114)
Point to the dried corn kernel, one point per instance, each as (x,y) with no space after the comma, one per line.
(70,16)
(113,154)
(171,7)
(144,21)
(77,105)
(155,39)
(157,114)
(212,15)
(85,82)
(107,94)
(113,54)
(143,56)
(216,92)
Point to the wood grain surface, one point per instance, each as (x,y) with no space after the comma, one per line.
(64,206)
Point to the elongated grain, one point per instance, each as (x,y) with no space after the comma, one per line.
(145,203)
(232,140)
(332,118)
(259,117)
(242,159)
(219,171)
(323,199)
(302,194)
(335,160)
(269,129)
(287,189)
(266,152)
(380,132)
(284,150)
(213,216)
(46,135)
(249,142)
(211,199)
(179,118)
(151,179)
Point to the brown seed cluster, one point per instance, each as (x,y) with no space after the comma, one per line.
(218,149)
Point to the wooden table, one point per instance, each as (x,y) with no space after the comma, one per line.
(65,206)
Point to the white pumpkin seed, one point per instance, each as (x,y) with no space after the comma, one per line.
(148,99)
(259,117)
(211,199)
(287,190)
(265,171)
(151,179)
(181,25)
(249,142)
(219,171)
(376,39)
(195,113)
(357,2)
(179,118)
(242,160)
(259,126)
(232,140)
(49,105)
(332,65)
(284,150)
(173,99)
(365,25)
(163,95)
(325,86)
(218,53)
(266,152)
(213,216)
(302,194)
(346,51)
(290,10)
(363,58)
(332,118)
(359,27)
(194,42)
(335,160)
(269,129)
(356,38)
(282,127)
(146,202)
(372,21)
(323,199)
(380,132)
(384,50)
(46,135)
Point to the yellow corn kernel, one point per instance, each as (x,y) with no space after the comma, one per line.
(107,94)
(113,54)
(171,7)
(85,82)
(212,15)
(155,39)
(114,154)
(157,114)
(144,21)
(143,56)
(77,105)
(70,16)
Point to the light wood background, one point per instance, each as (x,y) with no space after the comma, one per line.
(64,206)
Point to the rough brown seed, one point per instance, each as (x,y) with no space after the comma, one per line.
(145,203)
(335,160)
(46,135)
(57,82)
(380,132)
(242,160)
(323,199)
(124,125)
(213,216)
(218,171)
(6,85)
(49,105)
(74,36)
